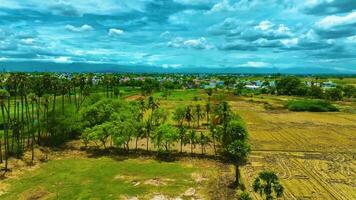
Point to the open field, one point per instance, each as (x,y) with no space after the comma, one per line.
(313,154)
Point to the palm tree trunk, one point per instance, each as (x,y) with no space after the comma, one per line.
(63,104)
(237,175)
(1,150)
(6,141)
(38,121)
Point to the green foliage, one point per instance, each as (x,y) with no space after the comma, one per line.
(333,94)
(316,92)
(234,142)
(165,136)
(97,113)
(349,91)
(244,196)
(311,106)
(99,178)
(291,85)
(267,185)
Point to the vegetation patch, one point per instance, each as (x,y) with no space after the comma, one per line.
(102,178)
(311,106)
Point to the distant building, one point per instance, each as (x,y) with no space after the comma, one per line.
(329,84)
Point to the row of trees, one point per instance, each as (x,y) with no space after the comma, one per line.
(294,86)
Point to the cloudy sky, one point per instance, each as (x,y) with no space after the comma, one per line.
(181,33)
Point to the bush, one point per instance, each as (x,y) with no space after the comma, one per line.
(311,106)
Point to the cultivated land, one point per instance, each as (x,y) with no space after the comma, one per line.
(313,154)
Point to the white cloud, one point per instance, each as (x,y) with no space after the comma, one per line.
(290,42)
(83,28)
(264,25)
(84,7)
(62,59)
(27,41)
(351,39)
(115,32)
(194,2)
(222,6)
(199,43)
(3,58)
(255,64)
(334,20)
(171,65)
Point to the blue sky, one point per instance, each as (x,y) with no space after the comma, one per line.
(181,33)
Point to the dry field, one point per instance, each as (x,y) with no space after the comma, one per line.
(313,153)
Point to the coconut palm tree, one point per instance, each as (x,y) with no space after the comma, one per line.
(198,114)
(268,185)
(153,105)
(188,115)
(3,96)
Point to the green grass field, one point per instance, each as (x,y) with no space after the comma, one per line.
(101,178)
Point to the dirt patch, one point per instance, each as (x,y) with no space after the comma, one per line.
(35,194)
(199,178)
(3,188)
(134,97)
(157,182)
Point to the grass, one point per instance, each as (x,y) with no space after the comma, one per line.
(101,178)
(311,106)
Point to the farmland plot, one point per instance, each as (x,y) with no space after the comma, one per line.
(313,153)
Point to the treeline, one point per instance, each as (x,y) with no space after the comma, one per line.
(294,86)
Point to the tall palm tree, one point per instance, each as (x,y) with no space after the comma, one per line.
(207,110)
(3,96)
(33,100)
(268,185)
(188,115)
(153,105)
(198,114)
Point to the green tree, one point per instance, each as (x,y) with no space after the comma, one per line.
(333,94)
(290,85)
(198,113)
(192,138)
(268,185)
(316,92)
(189,115)
(4,95)
(179,117)
(235,145)
(165,136)
(244,196)
(349,91)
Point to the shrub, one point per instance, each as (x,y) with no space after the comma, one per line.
(311,106)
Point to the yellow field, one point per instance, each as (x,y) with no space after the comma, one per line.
(313,153)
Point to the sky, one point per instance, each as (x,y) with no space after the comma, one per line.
(181,33)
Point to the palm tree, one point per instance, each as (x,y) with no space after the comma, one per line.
(188,115)
(198,114)
(33,100)
(3,96)
(207,110)
(192,139)
(153,106)
(267,185)
(179,116)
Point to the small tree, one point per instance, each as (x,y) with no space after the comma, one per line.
(179,116)
(244,196)
(267,185)
(236,148)
(165,136)
(192,138)
(199,114)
